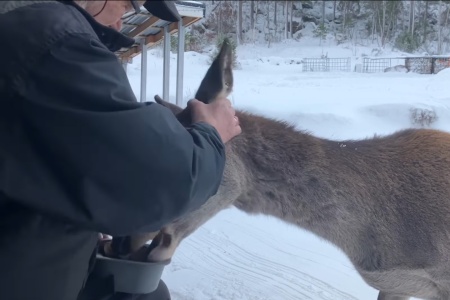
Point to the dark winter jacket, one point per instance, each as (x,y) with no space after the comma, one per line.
(78,154)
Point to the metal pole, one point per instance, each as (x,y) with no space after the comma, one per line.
(166,68)
(180,61)
(143,70)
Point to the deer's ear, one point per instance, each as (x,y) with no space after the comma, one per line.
(218,80)
(174,108)
(227,69)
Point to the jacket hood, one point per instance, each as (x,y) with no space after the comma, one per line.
(8,5)
(110,37)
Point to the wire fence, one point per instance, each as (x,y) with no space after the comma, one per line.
(326,64)
(421,65)
(375,65)
(427,65)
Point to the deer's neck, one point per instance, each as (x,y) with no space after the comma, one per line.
(296,177)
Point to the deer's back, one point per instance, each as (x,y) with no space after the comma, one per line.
(398,209)
(401,205)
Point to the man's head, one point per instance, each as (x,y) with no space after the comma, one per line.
(110,12)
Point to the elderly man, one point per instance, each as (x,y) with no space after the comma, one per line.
(79,155)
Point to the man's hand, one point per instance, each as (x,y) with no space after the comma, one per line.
(220,114)
(104,237)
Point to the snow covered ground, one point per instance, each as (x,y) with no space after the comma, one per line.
(236,256)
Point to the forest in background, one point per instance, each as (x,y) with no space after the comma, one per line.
(421,27)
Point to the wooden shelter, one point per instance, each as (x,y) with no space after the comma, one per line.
(149,30)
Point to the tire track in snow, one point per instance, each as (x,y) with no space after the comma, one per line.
(222,260)
(263,237)
(288,273)
(259,273)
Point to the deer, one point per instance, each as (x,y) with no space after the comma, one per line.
(384,200)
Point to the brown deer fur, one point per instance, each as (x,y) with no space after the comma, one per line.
(384,201)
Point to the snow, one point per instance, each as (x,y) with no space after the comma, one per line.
(237,256)
(192,2)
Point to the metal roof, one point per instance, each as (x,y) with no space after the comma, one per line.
(146,26)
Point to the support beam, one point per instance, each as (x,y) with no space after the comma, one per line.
(154,39)
(166,68)
(143,70)
(150,22)
(173,27)
(180,64)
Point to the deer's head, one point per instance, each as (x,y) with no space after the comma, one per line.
(217,83)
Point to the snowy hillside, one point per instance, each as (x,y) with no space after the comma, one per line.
(239,257)
(410,26)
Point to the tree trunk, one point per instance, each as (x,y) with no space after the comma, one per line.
(275,20)
(380,11)
(255,20)
(411,17)
(440,28)
(425,22)
(383,39)
(286,20)
(269,34)
(290,22)
(445,24)
(252,14)
(220,19)
(323,13)
(334,10)
(391,21)
(344,17)
(374,24)
(240,32)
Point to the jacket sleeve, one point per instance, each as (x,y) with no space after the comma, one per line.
(94,156)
